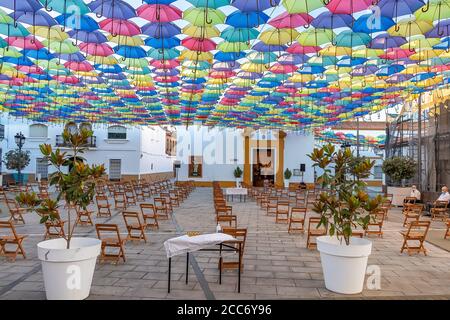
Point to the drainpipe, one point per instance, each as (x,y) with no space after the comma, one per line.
(419,153)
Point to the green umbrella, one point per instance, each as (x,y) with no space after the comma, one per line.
(262,57)
(167,54)
(233,34)
(352,39)
(439,10)
(10,52)
(226,46)
(53,64)
(299,6)
(133,62)
(5,18)
(214,4)
(203,16)
(12,31)
(315,37)
(75,7)
(65,46)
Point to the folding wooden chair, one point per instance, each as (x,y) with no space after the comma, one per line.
(15,211)
(110,236)
(103,206)
(411,200)
(389,196)
(300,198)
(417,232)
(412,212)
(83,217)
(146,192)
(148,213)
(386,205)
(447,232)
(130,196)
(375,225)
(54,228)
(161,207)
(9,237)
(298,216)
(134,226)
(240,234)
(174,198)
(439,210)
(271,207)
(120,200)
(166,197)
(137,188)
(314,232)
(283,211)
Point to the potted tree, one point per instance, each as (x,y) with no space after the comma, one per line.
(343,205)
(399,169)
(287,176)
(68,263)
(17,160)
(237,174)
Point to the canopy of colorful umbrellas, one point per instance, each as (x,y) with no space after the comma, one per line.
(240,63)
(349,138)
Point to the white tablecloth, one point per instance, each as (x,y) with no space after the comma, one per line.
(236,191)
(184,244)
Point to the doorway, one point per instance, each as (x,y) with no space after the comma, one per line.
(263,167)
(41,169)
(115,169)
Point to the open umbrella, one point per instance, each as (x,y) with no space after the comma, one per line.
(306,6)
(410,27)
(116,9)
(28,42)
(53,33)
(203,16)
(278,36)
(315,37)
(198,44)
(252,19)
(22,5)
(214,4)
(160,30)
(352,39)
(291,20)
(122,27)
(201,32)
(369,24)
(159,12)
(37,18)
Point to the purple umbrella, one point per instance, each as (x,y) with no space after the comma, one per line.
(37,18)
(290,59)
(114,9)
(397,8)
(384,41)
(225,66)
(399,78)
(84,36)
(160,30)
(331,20)
(22,5)
(166,72)
(249,75)
(77,57)
(442,29)
(262,47)
(254,5)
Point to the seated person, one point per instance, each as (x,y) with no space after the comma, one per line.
(415,193)
(444,196)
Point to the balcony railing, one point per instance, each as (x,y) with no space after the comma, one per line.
(91,142)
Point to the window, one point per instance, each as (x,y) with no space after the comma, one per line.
(378,172)
(38,131)
(41,169)
(117,132)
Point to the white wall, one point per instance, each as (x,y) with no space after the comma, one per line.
(296,149)
(153,156)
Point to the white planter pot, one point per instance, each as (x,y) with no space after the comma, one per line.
(398,194)
(286,183)
(68,272)
(344,267)
(238,182)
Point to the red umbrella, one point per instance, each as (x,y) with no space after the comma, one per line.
(348,6)
(297,48)
(28,42)
(396,53)
(164,64)
(96,49)
(79,66)
(122,27)
(66,79)
(294,20)
(222,74)
(198,44)
(159,12)
(283,68)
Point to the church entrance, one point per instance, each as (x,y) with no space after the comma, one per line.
(263,167)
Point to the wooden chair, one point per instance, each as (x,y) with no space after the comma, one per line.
(417,232)
(412,212)
(15,211)
(297,216)
(386,205)
(271,207)
(9,237)
(241,236)
(103,206)
(411,200)
(146,192)
(439,210)
(375,225)
(389,196)
(300,198)
(174,198)
(138,191)
(83,217)
(161,208)
(120,200)
(231,219)
(110,236)
(314,232)
(130,196)
(166,197)
(54,228)
(283,211)
(148,213)
(133,223)
(447,232)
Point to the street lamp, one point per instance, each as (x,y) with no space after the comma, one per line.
(19,138)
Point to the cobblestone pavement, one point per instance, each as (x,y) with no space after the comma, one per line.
(277,265)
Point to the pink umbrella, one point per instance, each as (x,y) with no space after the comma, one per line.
(198,44)
(30,69)
(79,66)
(164,64)
(396,53)
(158,12)
(348,6)
(283,68)
(294,20)
(66,79)
(122,27)
(297,48)
(28,42)
(96,49)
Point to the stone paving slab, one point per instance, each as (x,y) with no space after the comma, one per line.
(277,265)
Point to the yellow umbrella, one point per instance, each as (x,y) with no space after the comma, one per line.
(278,36)
(254,67)
(201,32)
(426,54)
(421,43)
(367,53)
(196,56)
(410,27)
(335,51)
(415,70)
(299,77)
(134,41)
(430,81)
(48,32)
(315,37)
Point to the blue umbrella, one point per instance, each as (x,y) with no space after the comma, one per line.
(41,54)
(442,29)
(256,6)
(78,22)
(160,30)
(77,57)
(85,36)
(37,18)
(159,1)
(22,5)
(130,52)
(390,70)
(240,19)
(370,23)
(229,56)
(114,9)
(384,41)
(232,34)
(329,20)
(352,39)
(262,47)
(162,42)
(397,8)
(350,62)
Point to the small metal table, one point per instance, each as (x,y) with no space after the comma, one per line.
(241,192)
